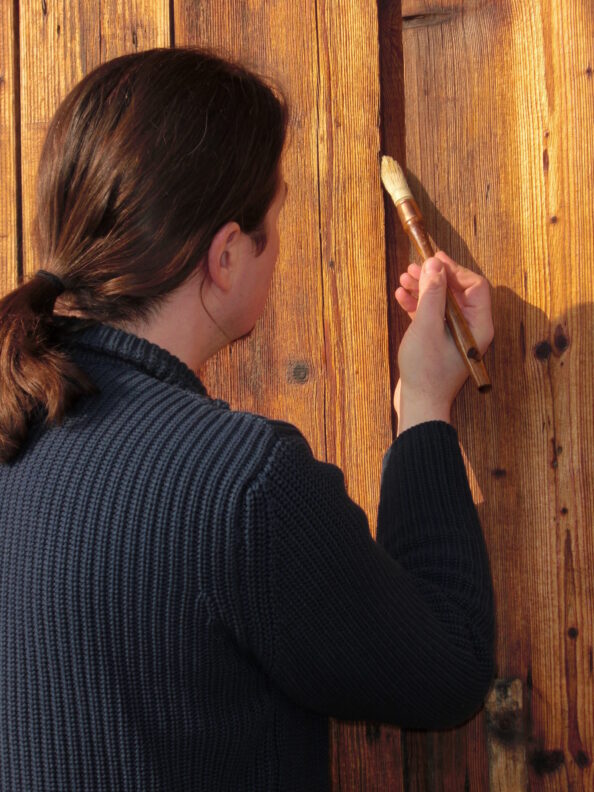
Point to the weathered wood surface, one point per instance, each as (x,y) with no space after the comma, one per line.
(59,43)
(506,739)
(500,153)
(319,357)
(499,149)
(9,138)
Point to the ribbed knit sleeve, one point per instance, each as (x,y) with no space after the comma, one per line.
(398,631)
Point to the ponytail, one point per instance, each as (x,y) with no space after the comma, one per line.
(144,160)
(35,374)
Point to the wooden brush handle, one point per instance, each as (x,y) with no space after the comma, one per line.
(412,221)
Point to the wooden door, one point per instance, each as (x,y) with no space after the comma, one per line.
(491,107)
(499,100)
(319,356)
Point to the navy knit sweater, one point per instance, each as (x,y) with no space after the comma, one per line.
(186,593)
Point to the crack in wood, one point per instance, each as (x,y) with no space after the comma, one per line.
(426,20)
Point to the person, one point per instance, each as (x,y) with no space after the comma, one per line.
(187,593)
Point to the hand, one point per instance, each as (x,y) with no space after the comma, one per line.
(432,370)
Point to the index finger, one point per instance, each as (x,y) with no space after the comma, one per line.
(462,277)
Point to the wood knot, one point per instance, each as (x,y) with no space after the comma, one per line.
(504,726)
(544,762)
(504,713)
(542,350)
(560,339)
(582,759)
(298,372)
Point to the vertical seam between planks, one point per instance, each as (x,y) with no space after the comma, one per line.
(171,23)
(392,351)
(16,109)
(332,740)
(318,92)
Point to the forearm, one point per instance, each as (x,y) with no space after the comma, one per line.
(414,408)
(428,522)
(339,624)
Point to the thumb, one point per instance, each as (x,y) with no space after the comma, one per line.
(432,293)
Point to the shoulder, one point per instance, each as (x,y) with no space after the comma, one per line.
(287,470)
(271,439)
(248,445)
(257,451)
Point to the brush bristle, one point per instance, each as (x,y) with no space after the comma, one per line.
(394,180)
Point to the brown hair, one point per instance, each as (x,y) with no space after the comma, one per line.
(144,160)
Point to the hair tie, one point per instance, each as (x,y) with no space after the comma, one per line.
(58,283)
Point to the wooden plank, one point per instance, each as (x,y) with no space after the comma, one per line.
(9,162)
(368,756)
(60,42)
(328,303)
(365,756)
(356,344)
(499,151)
(330,274)
(444,760)
(506,740)
(332,323)
(353,257)
(358,399)
(279,370)
(393,140)
(297,280)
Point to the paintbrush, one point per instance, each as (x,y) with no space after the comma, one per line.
(410,215)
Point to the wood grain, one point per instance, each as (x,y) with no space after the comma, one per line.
(60,42)
(358,403)
(499,151)
(499,112)
(279,370)
(358,398)
(319,356)
(9,157)
(506,741)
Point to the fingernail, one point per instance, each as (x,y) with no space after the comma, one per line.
(434,265)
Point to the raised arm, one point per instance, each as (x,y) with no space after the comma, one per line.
(400,633)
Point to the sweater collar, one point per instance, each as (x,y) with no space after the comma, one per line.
(141,353)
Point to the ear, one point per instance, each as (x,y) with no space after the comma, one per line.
(221,255)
